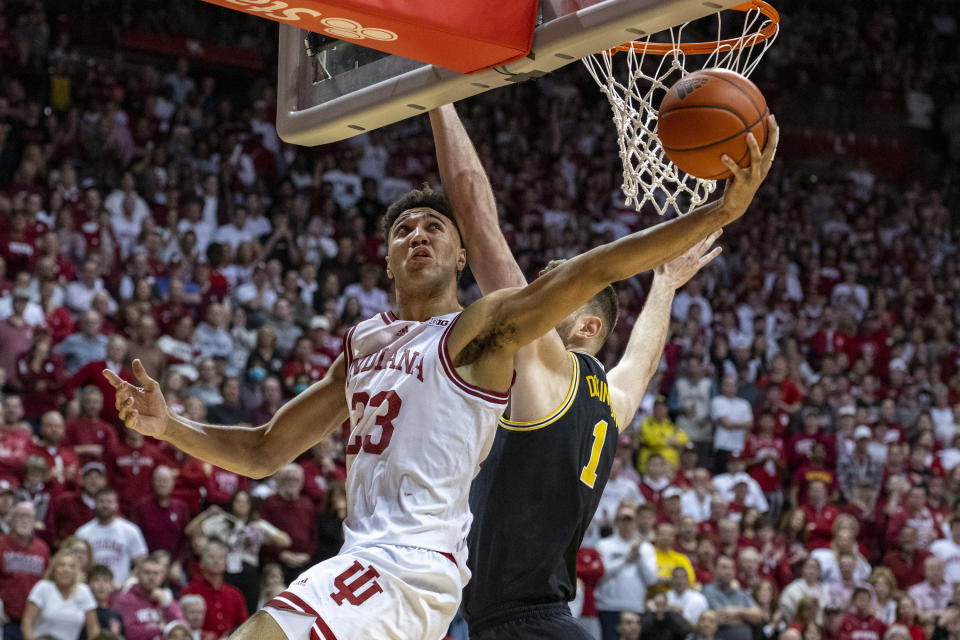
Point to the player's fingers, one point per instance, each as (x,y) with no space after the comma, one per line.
(707,259)
(132,418)
(113,379)
(149,384)
(756,157)
(730,164)
(773,139)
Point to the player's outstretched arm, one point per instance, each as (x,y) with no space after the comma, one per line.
(629,378)
(251,451)
(511,318)
(467,186)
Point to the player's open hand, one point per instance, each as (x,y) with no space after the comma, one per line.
(678,271)
(746,180)
(144,409)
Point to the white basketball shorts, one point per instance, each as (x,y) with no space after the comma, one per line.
(382,592)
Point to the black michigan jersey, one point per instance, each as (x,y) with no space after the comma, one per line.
(535,496)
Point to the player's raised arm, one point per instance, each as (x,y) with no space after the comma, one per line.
(512,318)
(466,185)
(251,451)
(630,377)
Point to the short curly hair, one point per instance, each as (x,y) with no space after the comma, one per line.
(423,197)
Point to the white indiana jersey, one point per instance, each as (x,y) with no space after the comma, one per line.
(419,433)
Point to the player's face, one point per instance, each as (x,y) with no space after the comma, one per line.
(424,246)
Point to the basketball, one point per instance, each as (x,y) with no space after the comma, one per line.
(707,114)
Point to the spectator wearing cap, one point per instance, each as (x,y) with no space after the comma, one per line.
(326,346)
(860,623)
(23,560)
(132,465)
(630,566)
(91,438)
(667,557)
(905,559)
(659,436)
(116,542)
(733,419)
(858,466)
(72,509)
(161,516)
(16,336)
(226,609)
(740,490)
(670,509)
(934,594)
(736,609)
(43,376)
(291,510)
(147,607)
(86,345)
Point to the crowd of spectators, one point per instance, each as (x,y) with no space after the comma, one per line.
(794,471)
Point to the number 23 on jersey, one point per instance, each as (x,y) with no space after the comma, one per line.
(384,420)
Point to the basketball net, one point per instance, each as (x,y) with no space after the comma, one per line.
(651,68)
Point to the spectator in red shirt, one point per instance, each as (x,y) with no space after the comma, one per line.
(199,481)
(147,607)
(23,560)
(301,362)
(16,440)
(765,454)
(92,438)
(322,468)
(43,376)
(292,511)
(915,513)
(861,624)
(820,516)
(814,470)
(70,510)
(62,463)
(225,606)
(132,467)
(906,560)
(162,517)
(92,374)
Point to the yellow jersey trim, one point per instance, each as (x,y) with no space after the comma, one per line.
(512,425)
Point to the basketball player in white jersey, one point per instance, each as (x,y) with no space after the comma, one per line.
(424,391)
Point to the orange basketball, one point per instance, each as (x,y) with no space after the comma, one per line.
(707,114)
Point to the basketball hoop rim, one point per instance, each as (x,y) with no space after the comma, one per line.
(706,48)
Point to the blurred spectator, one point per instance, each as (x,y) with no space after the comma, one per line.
(72,509)
(60,605)
(933,594)
(147,607)
(860,622)
(659,622)
(685,600)
(230,410)
(628,626)
(23,561)
(630,566)
(194,609)
(808,585)
(91,374)
(948,550)
(87,345)
(659,436)
(42,375)
(736,610)
(100,581)
(15,335)
(91,438)
(116,542)
(292,511)
(733,418)
(61,462)
(162,517)
(906,559)
(225,606)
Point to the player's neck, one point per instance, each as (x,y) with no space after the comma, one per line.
(420,306)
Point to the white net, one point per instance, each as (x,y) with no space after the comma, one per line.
(648,175)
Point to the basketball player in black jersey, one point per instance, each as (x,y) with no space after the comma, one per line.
(540,485)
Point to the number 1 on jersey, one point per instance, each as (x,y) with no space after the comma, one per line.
(589,474)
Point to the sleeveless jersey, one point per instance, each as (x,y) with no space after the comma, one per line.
(418,434)
(535,497)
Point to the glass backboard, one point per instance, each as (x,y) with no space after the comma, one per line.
(329,90)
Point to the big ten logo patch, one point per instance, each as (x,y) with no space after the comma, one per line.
(343,28)
(363,587)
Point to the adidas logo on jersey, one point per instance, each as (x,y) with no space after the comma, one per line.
(402,332)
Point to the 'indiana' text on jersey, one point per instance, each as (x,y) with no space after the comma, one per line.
(418,434)
(535,497)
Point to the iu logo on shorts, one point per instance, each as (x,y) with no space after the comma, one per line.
(351,592)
